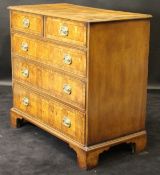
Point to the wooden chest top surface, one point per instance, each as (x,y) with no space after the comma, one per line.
(79,13)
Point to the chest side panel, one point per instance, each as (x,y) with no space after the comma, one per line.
(118,61)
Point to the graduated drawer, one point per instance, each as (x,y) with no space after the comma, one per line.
(67,120)
(27,22)
(65,58)
(66,88)
(72,32)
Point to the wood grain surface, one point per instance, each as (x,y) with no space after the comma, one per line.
(117,87)
(78,13)
(35,22)
(50,112)
(50,53)
(80,73)
(76,30)
(50,81)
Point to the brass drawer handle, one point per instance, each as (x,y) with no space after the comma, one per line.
(25,72)
(63,31)
(24,46)
(26,23)
(25,101)
(67,59)
(66,122)
(67,89)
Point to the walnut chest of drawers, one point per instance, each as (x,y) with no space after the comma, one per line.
(80,74)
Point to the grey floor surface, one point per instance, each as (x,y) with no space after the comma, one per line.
(31,151)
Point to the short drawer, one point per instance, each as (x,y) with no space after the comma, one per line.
(65,30)
(65,58)
(27,22)
(61,86)
(65,119)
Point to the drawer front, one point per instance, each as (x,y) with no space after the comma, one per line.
(65,30)
(67,120)
(26,22)
(57,84)
(64,58)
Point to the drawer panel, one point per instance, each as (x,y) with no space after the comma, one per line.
(65,58)
(65,30)
(57,84)
(65,119)
(26,22)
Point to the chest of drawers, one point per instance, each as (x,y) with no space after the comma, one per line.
(80,74)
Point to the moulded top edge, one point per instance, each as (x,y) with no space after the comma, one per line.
(79,13)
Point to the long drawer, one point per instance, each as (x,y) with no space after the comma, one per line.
(65,119)
(64,87)
(65,58)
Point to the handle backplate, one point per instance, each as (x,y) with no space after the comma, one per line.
(67,59)
(66,122)
(24,46)
(63,31)
(26,23)
(25,72)
(67,89)
(25,101)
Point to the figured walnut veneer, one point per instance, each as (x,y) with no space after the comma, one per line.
(80,73)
